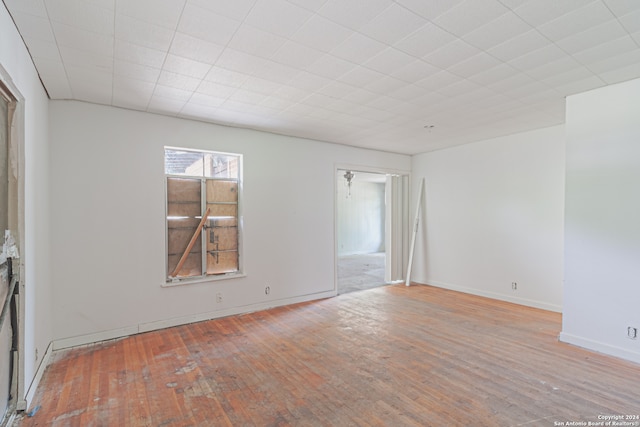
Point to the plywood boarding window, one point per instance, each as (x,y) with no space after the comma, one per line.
(203,216)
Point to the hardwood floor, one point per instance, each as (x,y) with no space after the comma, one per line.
(390,356)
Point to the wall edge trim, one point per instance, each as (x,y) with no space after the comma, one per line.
(494,295)
(600,347)
(112,334)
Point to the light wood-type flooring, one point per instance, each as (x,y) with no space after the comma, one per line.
(390,356)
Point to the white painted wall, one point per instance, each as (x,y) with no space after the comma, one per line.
(360,217)
(602,228)
(108,207)
(17,65)
(493,215)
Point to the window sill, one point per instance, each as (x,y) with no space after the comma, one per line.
(202,279)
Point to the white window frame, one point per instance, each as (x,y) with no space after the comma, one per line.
(176,281)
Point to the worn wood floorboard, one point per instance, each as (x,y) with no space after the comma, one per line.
(391,356)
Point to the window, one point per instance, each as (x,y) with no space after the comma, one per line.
(203,214)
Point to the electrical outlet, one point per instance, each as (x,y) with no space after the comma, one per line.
(514,286)
(218,297)
(36,354)
(267,290)
(632,333)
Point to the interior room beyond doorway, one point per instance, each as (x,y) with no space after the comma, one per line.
(360,218)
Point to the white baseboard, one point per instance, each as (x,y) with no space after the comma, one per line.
(494,295)
(600,347)
(31,391)
(183,320)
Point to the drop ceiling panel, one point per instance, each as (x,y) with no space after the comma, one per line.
(368,73)
(392,24)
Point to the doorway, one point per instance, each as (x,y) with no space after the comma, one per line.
(371,210)
(11,223)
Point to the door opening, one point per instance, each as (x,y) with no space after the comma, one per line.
(11,225)
(370,229)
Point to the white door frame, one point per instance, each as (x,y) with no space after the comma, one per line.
(16,220)
(396,247)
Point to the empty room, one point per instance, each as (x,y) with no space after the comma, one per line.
(182,182)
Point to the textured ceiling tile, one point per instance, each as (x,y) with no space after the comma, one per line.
(296,55)
(438,80)
(312,5)
(549,69)
(30,7)
(537,58)
(138,54)
(54,76)
(576,21)
(475,64)
(334,83)
(414,71)
(236,9)
(451,54)
(519,45)
(609,30)
(631,21)
(389,60)
(337,89)
(88,41)
(185,66)
(425,40)
(246,96)
(470,15)
(393,24)
(621,74)
(358,48)
(199,50)
(278,17)
(216,89)
(43,49)
(178,81)
(623,60)
(495,74)
(562,78)
(321,33)
(163,13)
(80,14)
(129,70)
(204,24)
(607,50)
(308,81)
(142,33)
(353,14)
(235,60)
(429,9)
(406,92)
(274,71)
(34,27)
(504,27)
(254,41)
(511,83)
(256,84)
(330,66)
(226,77)
(360,76)
(538,12)
(82,58)
(385,85)
(457,88)
(622,7)
(169,92)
